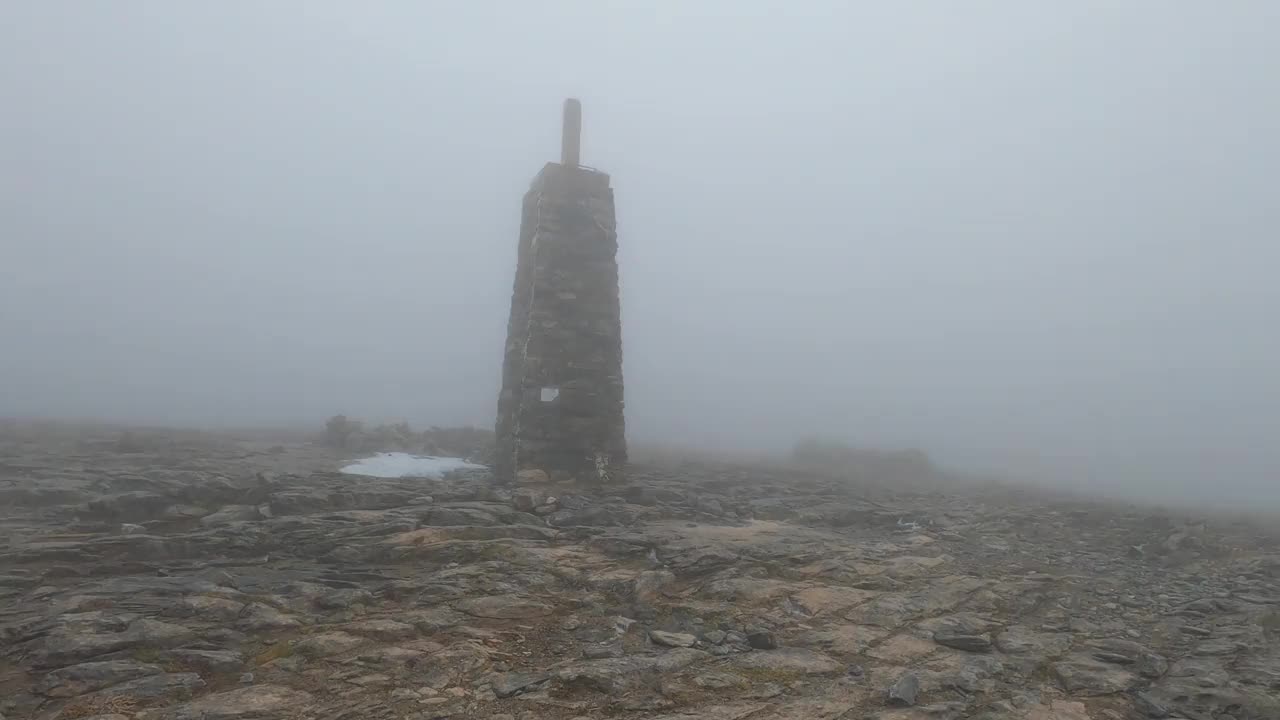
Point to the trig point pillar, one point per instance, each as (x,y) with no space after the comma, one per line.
(560,410)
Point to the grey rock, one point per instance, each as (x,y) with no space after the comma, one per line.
(300,502)
(254,701)
(154,633)
(509,684)
(154,687)
(963,631)
(433,620)
(506,607)
(591,516)
(672,640)
(402,694)
(1206,687)
(1151,705)
(383,629)
(761,639)
(343,598)
(968,643)
(207,607)
(771,509)
(959,624)
(906,690)
(526,499)
(892,610)
(701,559)
(1020,640)
(87,677)
(231,514)
(612,676)
(450,515)
(651,584)
(211,661)
(454,664)
(71,644)
(795,661)
(326,644)
(600,652)
(720,681)
(184,512)
(1126,652)
(933,711)
(709,505)
(1086,676)
(127,506)
(258,617)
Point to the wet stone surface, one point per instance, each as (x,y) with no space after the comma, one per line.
(194,575)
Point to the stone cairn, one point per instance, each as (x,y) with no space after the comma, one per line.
(560,412)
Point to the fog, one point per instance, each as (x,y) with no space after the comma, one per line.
(1038,239)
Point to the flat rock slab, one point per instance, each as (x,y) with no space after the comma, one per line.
(718,712)
(249,702)
(86,677)
(392,599)
(206,607)
(895,609)
(389,630)
(1082,675)
(508,684)
(257,617)
(504,607)
(67,645)
(326,644)
(788,661)
(824,600)
(614,675)
(968,643)
(936,711)
(1020,640)
(213,661)
(903,649)
(154,687)
(846,639)
(1059,710)
(672,640)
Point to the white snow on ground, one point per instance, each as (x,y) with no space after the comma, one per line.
(396,465)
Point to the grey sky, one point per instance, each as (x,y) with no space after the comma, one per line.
(1034,237)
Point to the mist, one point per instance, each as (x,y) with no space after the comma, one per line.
(1030,240)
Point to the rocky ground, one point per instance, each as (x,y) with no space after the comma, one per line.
(190,576)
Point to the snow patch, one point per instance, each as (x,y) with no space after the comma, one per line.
(399,465)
